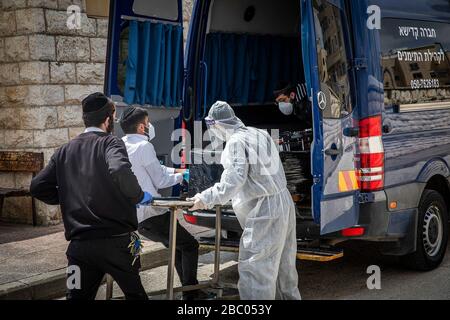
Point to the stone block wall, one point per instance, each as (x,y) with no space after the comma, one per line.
(45,71)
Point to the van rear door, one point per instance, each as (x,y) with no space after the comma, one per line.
(328,60)
(145,40)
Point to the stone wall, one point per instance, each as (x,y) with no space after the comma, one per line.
(187,11)
(45,71)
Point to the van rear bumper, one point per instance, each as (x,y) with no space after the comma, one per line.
(396,228)
(384,224)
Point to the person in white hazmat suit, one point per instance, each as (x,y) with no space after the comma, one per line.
(254,180)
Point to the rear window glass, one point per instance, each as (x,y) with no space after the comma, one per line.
(416,64)
(332,57)
(162,9)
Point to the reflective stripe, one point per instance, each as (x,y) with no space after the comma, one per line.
(301,91)
(348,181)
(371,178)
(371,170)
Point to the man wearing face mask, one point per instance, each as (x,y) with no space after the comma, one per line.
(293,100)
(91,178)
(255,182)
(154,222)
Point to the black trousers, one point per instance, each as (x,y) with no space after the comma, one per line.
(95,258)
(186,257)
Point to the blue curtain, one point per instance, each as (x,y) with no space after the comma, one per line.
(246,69)
(153,65)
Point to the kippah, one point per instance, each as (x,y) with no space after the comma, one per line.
(127,114)
(94,102)
(284,88)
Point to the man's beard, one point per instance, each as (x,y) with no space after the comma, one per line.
(110,127)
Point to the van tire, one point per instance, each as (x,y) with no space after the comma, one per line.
(432,228)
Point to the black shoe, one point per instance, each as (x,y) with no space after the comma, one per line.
(198,295)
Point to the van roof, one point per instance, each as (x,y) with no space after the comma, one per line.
(430,10)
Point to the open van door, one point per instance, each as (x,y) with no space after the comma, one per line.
(145,52)
(145,66)
(327,59)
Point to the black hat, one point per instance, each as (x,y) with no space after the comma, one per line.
(127,114)
(284,87)
(132,116)
(96,108)
(95,102)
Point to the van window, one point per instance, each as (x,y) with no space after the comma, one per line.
(161,9)
(246,57)
(416,64)
(149,65)
(332,58)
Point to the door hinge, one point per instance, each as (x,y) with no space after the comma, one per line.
(360,63)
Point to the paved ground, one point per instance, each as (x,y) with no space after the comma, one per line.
(29,251)
(26,251)
(36,256)
(344,279)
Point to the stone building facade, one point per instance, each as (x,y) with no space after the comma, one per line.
(46,69)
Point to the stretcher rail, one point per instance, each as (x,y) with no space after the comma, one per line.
(174,205)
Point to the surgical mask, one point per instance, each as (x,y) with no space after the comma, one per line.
(286,108)
(150,132)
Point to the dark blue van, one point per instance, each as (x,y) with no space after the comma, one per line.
(369,162)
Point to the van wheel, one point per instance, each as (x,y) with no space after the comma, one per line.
(432,233)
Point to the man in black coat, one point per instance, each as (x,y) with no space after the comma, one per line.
(91,179)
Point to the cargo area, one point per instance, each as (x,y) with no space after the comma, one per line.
(246,59)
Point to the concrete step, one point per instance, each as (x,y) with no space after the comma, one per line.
(51,285)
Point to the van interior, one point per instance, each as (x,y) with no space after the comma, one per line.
(250,48)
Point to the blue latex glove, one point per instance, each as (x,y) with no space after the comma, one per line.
(186,175)
(146,200)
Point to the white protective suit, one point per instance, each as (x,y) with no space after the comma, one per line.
(255,181)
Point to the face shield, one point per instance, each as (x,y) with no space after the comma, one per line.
(221,131)
(222,122)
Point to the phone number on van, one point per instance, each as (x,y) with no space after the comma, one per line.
(425,84)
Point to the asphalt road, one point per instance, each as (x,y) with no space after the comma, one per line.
(347,278)
(344,279)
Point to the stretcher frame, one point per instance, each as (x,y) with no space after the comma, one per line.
(214,283)
(173,206)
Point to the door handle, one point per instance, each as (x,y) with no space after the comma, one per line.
(351,132)
(333,152)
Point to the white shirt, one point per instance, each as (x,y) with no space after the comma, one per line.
(93,129)
(151,175)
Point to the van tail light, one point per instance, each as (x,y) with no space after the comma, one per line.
(190,218)
(353,232)
(371,174)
